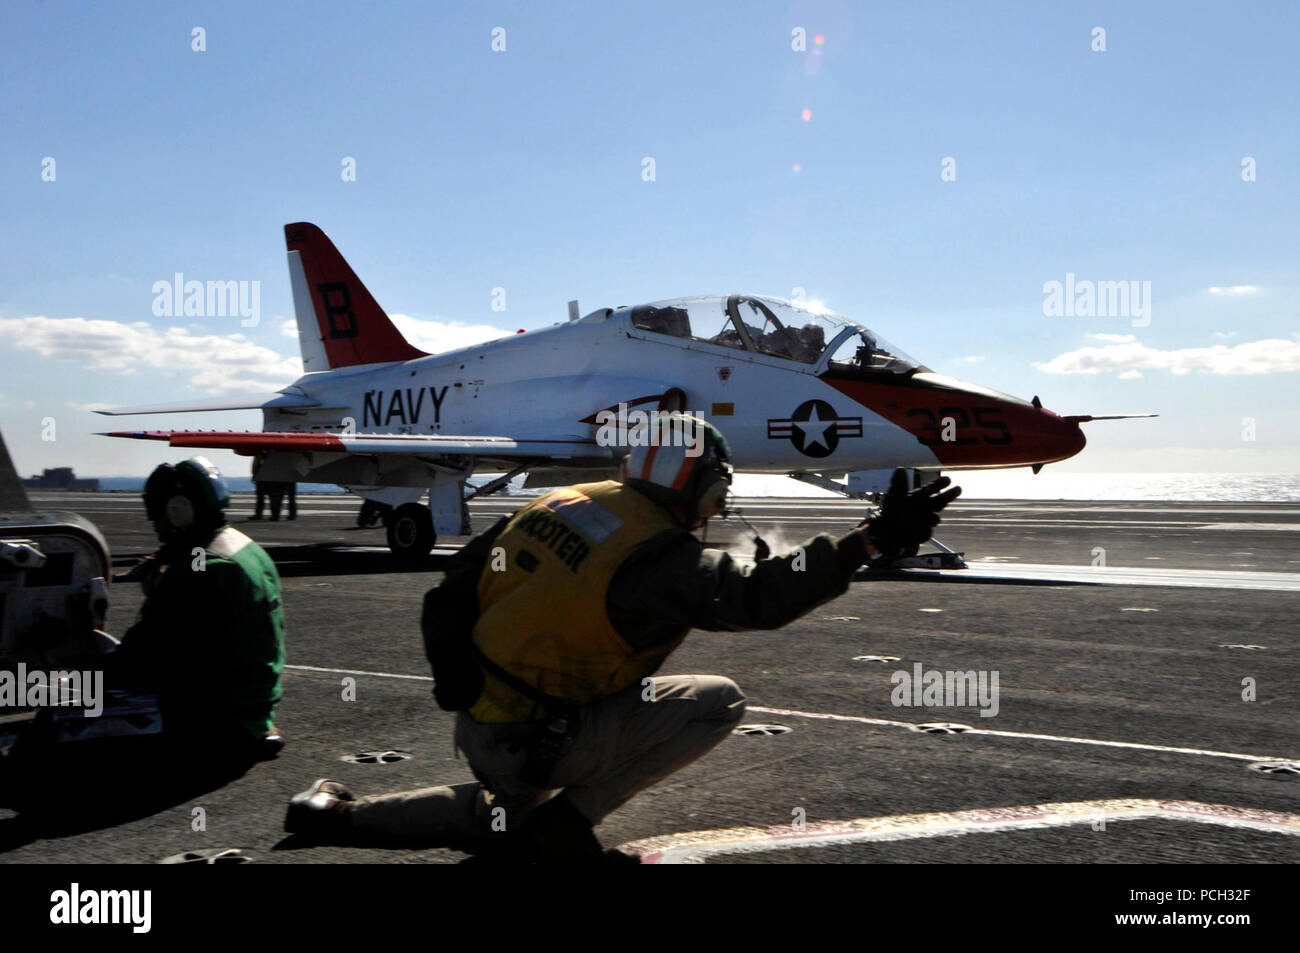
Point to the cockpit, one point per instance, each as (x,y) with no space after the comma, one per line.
(801,331)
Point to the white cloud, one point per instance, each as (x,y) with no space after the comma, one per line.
(216,363)
(1234,290)
(968,360)
(438,336)
(1269,356)
(1131,376)
(92,406)
(428,335)
(1114,338)
(1224,335)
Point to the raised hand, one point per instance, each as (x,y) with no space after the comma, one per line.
(908,518)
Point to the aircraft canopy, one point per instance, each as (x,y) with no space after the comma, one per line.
(800,331)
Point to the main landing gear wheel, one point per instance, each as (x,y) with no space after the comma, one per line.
(410,531)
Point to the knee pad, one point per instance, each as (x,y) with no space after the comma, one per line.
(723,693)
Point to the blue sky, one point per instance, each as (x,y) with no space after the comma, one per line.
(523,169)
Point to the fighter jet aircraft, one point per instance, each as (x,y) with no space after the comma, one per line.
(796,389)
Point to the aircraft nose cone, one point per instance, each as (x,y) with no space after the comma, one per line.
(1064,438)
(1039,437)
(1049,438)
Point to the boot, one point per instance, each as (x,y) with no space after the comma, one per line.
(322,813)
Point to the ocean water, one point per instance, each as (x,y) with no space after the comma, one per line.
(1177,487)
(1025,485)
(233,484)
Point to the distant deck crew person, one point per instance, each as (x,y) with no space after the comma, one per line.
(259,486)
(548,650)
(281,492)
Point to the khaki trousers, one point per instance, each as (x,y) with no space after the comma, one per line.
(622,745)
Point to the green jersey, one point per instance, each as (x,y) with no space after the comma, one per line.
(210,640)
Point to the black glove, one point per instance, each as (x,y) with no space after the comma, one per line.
(907,519)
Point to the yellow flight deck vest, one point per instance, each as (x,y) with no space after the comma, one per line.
(543,618)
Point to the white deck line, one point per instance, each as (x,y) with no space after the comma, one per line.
(694,847)
(884,722)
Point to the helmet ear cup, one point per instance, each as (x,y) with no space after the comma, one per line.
(180,512)
(715,492)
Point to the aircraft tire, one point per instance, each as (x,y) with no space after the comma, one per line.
(410,531)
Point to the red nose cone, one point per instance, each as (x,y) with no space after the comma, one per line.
(1053,438)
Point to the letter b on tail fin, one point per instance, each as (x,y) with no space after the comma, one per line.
(339,323)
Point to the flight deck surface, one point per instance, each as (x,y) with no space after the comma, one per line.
(1120,734)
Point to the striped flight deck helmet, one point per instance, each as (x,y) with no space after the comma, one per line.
(679,460)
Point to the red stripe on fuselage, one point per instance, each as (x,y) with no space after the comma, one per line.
(983,430)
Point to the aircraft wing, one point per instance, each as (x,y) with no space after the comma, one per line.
(252,442)
(202,406)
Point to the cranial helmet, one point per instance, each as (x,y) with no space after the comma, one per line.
(186,495)
(676,459)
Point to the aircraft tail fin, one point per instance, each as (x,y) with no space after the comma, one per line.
(13,498)
(339,323)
